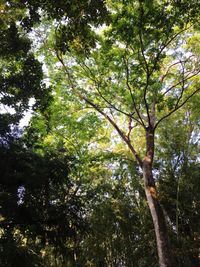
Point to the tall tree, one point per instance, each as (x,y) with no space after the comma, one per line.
(136,72)
(141,69)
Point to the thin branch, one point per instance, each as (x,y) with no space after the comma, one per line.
(97,85)
(127,78)
(84,67)
(183,86)
(165,46)
(132,97)
(176,108)
(146,64)
(187,77)
(120,132)
(111,105)
(97,108)
(145,100)
(141,41)
(172,65)
(130,127)
(65,68)
(75,147)
(168,69)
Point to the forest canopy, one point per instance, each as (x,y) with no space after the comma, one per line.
(106,173)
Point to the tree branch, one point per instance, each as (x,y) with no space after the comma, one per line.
(132,97)
(141,41)
(187,77)
(172,65)
(97,108)
(120,132)
(176,108)
(165,46)
(145,100)
(111,105)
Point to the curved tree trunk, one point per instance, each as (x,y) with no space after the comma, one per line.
(163,248)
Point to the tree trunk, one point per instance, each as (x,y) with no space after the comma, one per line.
(163,248)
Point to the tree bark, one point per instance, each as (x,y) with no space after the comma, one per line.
(160,227)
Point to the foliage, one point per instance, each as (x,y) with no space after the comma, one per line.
(71,192)
(179,184)
(38,205)
(21,73)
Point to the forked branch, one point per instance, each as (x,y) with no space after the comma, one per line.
(176,107)
(98,109)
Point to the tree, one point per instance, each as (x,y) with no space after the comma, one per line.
(136,72)
(20,72)
(110,185)
(141,69)
(178,183)
(39,208)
